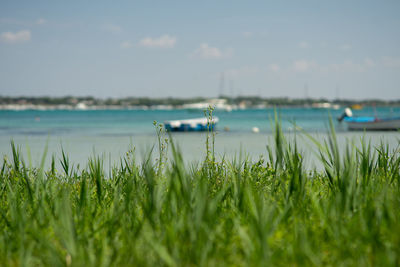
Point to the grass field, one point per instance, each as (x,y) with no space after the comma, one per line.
(169,212)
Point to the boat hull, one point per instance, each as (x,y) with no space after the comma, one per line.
(188,128)
(190,125)
(377,125)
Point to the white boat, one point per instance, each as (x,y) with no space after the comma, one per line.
(216,103)
(369,123)
(190,125)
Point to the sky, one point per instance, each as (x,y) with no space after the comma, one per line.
(330,49)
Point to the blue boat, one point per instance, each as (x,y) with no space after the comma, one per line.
(369,123)
(191,125)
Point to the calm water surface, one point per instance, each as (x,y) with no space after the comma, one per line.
(112,132)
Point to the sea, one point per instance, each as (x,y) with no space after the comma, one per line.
(110,134)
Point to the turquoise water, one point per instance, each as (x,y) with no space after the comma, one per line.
(137,122)
(112,132)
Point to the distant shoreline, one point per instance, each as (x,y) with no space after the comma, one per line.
(221,103)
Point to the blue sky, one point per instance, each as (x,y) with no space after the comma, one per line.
(346,49)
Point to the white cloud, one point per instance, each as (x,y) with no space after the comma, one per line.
(208,52)
(15,37)
(274,67)
(391,62)
(41,21)
(126,44)
(164,41)
(345,47)
(112,28)
(304,44)
(369,63)
(303,65)
(247,34)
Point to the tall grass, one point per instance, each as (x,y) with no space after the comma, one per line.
(167,213)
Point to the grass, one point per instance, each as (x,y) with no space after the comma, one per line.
(217,213)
